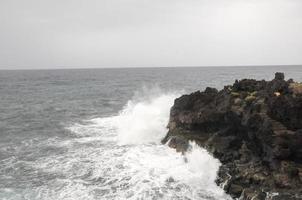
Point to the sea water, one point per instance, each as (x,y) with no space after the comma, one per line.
(95,133)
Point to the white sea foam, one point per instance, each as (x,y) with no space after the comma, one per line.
(120,157)
(145,121)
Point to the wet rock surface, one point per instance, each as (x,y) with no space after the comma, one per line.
(254,128)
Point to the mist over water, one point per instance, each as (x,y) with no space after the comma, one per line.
(95,134)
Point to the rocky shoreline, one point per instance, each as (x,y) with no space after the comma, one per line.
(254,128)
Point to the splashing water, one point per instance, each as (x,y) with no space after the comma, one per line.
(145,121)
(120,157)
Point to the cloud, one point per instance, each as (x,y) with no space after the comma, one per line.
(124,33)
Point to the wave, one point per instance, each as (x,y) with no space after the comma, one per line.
(120,157)
(145,121)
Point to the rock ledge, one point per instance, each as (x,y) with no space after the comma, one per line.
(254,128)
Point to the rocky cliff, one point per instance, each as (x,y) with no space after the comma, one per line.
(254,128)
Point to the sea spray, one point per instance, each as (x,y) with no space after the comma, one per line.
(145,121)
(120,157)
(199,159)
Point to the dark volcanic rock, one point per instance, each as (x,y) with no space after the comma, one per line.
(254,128)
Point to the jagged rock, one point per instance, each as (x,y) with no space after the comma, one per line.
(178,143)
(279,76)
(254,128)
(236,189)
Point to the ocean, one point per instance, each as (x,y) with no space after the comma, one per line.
(95,133)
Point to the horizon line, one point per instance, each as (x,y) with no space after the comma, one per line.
(135,67)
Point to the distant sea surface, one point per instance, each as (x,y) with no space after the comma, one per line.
(95,133)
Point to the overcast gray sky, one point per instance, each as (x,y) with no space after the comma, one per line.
(147,33)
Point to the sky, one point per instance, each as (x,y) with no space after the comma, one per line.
(149,33)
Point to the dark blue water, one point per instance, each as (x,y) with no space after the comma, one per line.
(60,132)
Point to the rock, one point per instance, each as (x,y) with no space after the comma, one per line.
(256,134)
(250,99)
(286,197)
(279,76)
(237,102)
(282,181)
(170,180)
(250,194)
(296,88)
(235,190)
(210,90)
(178,143)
